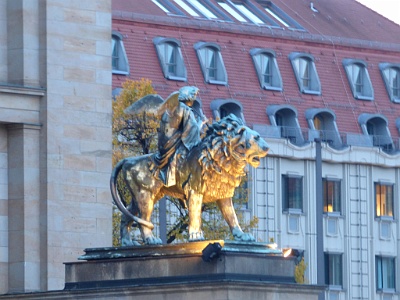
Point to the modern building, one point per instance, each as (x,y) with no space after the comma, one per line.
(55,138)
(320,81)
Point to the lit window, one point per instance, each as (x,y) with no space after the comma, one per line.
(211,63)
(292,192)
(331,195)
(359,80)
(170,57)
(267,69)
(232,12)
(119,60)
(323,125)
(391,77)
(385,273)
(306,73)
(333,270)
(384,199)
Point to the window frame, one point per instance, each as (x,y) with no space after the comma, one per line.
(276,78)
(298,189)
(381,285)
(117,45)
(331,270)
(334,181)
(160,44)
(367,92)
(383,67)
(221,76)
(378,206)
(314,88)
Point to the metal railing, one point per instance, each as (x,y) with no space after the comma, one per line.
(336,140)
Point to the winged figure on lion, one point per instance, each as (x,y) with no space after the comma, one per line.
(189,167)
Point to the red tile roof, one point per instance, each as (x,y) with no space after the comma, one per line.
(358,33)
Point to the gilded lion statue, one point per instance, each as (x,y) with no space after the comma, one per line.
(208,172)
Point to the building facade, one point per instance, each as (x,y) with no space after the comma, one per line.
(55,138)
(321,83)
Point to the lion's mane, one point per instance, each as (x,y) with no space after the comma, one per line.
(221,173)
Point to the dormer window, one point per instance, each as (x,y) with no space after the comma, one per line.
(322,123)
(391,77)
(170,57)
(284,117)
(212,65)
(376,128)
(360,83)
(267,69)
(119,59)
(223,107)
(306,73)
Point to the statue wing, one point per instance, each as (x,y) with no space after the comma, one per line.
(149,103)
(169,105)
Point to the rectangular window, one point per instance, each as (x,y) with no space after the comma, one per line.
(385,273)
(384,199)
(333,269)
(331,195)
(292,192)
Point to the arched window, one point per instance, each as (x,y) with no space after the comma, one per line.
(376,127)
(322,123)
(267,69)
(119,59)
(284,117)
(222,107)
(358,77)
(170,57)
(306,73)
(212,65)
(391,77)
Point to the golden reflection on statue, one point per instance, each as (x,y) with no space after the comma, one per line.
(194,169)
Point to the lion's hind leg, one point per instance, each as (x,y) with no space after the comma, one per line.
(146,206)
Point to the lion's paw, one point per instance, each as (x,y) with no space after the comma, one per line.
(129,242)
(196,236)
(239,235)
(152,240)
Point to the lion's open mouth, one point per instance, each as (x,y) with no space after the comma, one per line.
(254,161)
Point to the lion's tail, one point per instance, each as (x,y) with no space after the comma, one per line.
(117,199)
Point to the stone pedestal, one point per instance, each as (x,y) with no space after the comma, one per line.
(184,271)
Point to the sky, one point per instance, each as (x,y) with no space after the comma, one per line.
(388,8)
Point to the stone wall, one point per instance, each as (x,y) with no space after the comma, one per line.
(55,138)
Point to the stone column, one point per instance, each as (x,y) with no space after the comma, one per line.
(23,208)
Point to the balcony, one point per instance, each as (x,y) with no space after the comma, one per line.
(336,140)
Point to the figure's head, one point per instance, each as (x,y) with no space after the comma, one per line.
(187,94)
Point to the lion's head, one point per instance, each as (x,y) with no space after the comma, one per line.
(228,147)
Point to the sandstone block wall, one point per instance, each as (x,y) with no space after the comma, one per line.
(55,138)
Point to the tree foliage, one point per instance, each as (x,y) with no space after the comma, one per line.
(299,272)
(132,135)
